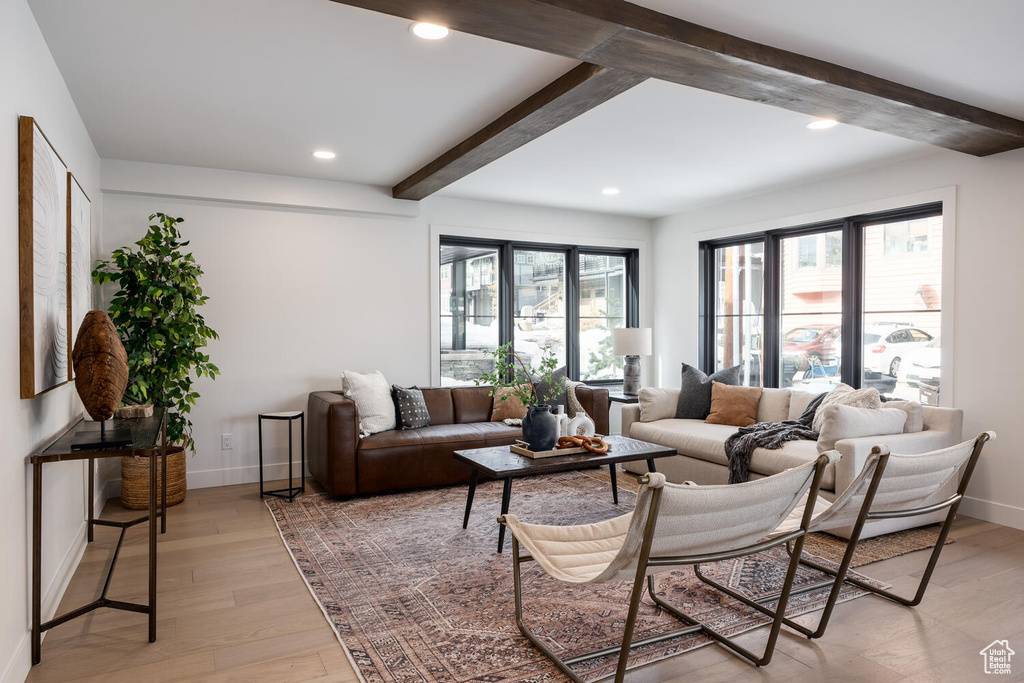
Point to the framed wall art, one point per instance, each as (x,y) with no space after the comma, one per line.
(79,242)
(43,271)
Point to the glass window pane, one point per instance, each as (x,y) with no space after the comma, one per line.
(602,308)
(469,312)
(539,304)
(739,309)
(812,312)
(903,308)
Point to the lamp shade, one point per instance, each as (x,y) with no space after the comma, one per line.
(631,341)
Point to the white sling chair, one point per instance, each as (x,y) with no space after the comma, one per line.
(889,486)
(670,526)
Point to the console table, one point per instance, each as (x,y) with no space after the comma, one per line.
(149,439)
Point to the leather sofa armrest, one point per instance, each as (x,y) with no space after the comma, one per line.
(595,401)
(333,441)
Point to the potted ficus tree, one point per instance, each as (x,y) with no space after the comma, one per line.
(155,311)
(540,426)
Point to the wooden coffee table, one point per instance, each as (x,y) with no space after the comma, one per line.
(501,463)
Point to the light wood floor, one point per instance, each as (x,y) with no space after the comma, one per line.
(232,607)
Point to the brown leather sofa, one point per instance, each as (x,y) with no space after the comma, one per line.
(412,458)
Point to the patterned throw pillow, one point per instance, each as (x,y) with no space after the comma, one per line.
(845,395)
(410,408)
(695,391)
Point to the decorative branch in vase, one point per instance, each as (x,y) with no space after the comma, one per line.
(540,426)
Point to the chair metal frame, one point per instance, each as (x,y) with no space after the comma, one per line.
(645,561)
(841,575)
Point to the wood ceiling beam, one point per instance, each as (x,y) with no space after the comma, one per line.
(623,36)
(577,92)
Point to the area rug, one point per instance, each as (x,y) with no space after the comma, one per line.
(414,597)
(831,547)
(874,549)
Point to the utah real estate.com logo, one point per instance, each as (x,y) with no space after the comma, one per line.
(997,657)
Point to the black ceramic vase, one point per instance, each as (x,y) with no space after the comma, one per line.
(540,428)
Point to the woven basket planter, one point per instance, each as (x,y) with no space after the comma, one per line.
(135,479)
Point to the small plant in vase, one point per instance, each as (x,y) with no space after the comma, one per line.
(155,313)
(540,426)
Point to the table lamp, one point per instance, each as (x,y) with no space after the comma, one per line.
(631,342)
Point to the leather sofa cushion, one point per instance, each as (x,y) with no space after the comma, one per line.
(698,439)
(472,404)
(439,405)
(440,434)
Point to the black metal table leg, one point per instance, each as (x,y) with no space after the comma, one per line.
(615,484)
(37,536)
(92,496)
(291,487)
(506,496)
(152,544)
(469,498)
(650,465)
(302,469)
(259,422)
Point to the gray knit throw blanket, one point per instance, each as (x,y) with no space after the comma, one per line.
(771,435)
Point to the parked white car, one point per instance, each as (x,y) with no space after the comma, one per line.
(885,346)
(922,366)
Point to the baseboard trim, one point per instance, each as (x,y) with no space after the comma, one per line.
(998,513)
(230,476)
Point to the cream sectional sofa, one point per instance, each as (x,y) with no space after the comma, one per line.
(701,446)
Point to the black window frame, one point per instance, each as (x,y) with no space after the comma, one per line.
(506,268)
(852,228)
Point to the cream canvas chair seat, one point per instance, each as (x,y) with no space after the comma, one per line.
(670,526)
(890,486)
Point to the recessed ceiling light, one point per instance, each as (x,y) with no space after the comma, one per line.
(428,31)
(610,191)
(324,154)
(822,124)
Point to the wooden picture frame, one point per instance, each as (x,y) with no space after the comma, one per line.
(79,246)
(42,250)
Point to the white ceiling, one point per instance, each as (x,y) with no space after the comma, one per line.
(256,85)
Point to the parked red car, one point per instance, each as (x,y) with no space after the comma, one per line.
(811,341)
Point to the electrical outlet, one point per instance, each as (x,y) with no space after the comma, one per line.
(226,442)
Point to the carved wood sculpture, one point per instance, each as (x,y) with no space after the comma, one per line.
(101,365)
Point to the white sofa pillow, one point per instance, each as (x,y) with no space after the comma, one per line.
(774,405)
(798,402)
(845,395)
(915,415)
(657,404)
(848,422)
(372,396)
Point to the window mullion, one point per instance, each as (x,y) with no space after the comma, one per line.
(770,344)
(572,313)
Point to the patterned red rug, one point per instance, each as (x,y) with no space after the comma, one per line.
(414,597)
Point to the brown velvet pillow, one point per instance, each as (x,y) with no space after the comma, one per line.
(731,405)
(511,407)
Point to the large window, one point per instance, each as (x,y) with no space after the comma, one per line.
(876,278)
(566,299)
(739,308)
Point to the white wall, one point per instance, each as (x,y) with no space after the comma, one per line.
(31,85)
(989,280)
(308,282)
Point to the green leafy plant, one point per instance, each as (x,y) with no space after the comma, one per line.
(511,371)
(155,313)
